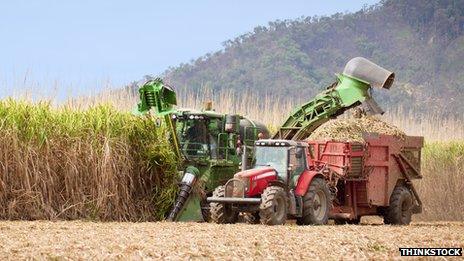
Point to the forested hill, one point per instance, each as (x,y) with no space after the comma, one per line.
(422,41)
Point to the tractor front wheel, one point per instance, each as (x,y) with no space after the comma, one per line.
(205,212)
(273,208)
(400,210)
(222,213)
(316,204)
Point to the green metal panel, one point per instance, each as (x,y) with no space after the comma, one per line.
(192,209)
(348,92)
(351,90)
(155,94)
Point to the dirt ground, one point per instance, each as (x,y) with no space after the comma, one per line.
(91,240)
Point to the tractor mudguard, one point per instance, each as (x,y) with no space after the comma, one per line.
(304,180)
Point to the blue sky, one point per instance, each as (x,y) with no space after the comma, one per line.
(84,45)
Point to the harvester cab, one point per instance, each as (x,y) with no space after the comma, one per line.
(207,145)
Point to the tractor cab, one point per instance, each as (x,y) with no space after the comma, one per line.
(286,157)
(267,192)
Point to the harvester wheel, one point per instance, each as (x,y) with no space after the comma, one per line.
(400,210)
(316,204)
(273,208)
(222,213)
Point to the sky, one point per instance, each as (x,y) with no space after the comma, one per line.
(85,45)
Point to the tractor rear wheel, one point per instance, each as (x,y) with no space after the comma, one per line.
(222,213)
(400,210)
(273,208)
(316,204)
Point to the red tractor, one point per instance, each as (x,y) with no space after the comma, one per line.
(314,181)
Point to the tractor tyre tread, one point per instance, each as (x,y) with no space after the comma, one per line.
(267,212)
(219,213)
(308,199)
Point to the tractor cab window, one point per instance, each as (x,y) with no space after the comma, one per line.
(297,164)
(275,157)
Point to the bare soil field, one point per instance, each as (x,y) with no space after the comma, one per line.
(117,240)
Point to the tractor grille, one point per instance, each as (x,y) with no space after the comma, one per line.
(235,188)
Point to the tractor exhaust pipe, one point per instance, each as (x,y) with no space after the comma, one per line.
(365,70)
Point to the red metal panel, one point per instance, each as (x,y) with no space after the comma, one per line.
(303,182)
(377,186)
(337,156)
(361,192)
(383,168)
(378,161)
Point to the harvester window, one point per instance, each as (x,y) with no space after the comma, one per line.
(194,139)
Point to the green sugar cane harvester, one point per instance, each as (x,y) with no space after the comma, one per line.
(207,143)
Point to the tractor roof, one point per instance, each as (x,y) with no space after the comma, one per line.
(270,142)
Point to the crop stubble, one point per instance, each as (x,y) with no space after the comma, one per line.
(84,240)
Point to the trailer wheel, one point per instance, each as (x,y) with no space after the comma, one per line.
(400,210)
(316,204)
(222,213)
(273,208)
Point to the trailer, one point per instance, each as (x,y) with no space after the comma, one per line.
(371,178)
(317,180)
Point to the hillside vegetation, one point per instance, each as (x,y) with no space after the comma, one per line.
(422,41)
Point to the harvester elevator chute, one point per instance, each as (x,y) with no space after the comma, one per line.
(352,88)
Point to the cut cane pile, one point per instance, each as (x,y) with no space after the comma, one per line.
(352,129)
